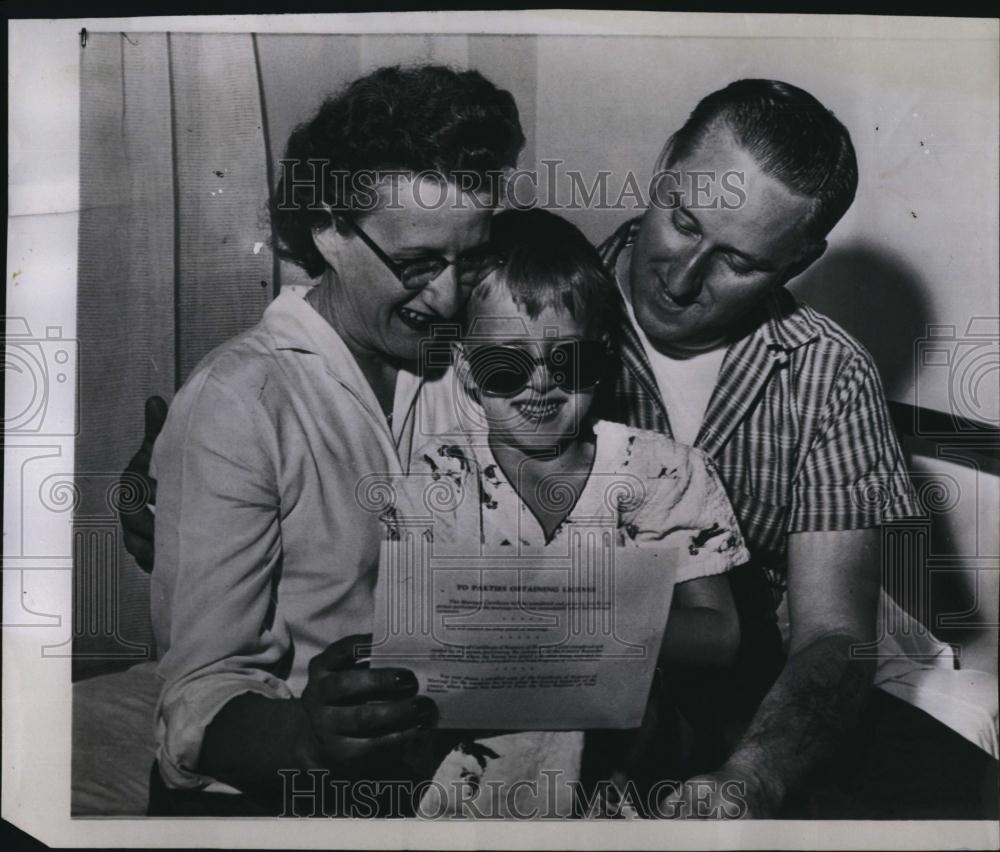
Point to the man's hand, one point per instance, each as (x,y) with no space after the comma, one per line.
(805,719)
(136,518)
(361,716)
(729,793)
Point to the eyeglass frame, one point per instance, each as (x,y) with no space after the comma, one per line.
(399,269)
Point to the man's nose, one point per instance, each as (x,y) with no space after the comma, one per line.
(686,276)
(444,294)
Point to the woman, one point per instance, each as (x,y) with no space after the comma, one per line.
(264,552)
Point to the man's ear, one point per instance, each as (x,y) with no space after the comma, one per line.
(812,253)
(665,154)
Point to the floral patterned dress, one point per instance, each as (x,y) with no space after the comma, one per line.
(655,492)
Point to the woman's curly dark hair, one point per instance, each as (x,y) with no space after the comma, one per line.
(408,119)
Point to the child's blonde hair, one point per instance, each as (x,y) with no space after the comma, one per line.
(549,263)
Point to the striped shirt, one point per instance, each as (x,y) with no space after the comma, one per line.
(797,425)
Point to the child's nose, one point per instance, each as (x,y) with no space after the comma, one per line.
(541,377)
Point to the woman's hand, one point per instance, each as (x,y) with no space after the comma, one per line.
(354,721)
(359,716)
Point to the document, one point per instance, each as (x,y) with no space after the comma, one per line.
(529,642)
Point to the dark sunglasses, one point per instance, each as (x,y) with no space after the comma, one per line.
(505,369)
(470,268)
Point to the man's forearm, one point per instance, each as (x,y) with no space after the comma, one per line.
(802,722)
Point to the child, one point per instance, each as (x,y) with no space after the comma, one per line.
(536,342)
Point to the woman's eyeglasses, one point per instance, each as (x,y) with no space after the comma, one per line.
(505,369)
(470,268)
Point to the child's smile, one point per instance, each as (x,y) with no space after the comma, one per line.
(539,410)
(526,372)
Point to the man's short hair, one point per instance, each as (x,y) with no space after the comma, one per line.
(791,136)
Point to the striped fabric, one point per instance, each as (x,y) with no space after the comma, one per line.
(797,426)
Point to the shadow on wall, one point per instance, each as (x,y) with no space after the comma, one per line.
(879,299)
(882,301)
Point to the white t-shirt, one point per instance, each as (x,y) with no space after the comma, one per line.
(686,386)
(685,383)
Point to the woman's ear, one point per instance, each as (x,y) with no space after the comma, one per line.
(328,242)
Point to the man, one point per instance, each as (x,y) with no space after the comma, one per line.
(717,354)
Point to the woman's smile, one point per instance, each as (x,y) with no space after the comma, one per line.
(417,320)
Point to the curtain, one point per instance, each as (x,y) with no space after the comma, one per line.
(173,259)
